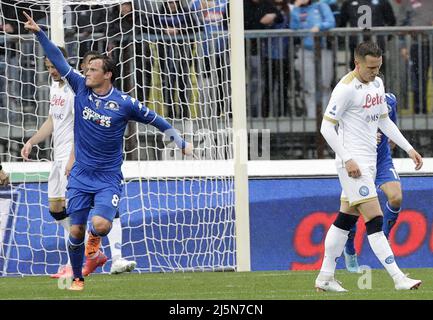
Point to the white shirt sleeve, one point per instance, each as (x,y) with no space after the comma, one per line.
(392,132)
(330,134)
(340,100)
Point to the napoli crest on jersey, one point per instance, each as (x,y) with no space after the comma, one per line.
(363,191)
(389,259)
(376,83)
(112,105)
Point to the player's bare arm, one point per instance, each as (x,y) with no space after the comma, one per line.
(30,24)
(393,133)
(44,132)
(4,177)
(416,158)
(70,163)
(352,169)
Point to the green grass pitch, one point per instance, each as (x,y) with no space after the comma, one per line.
(275,285)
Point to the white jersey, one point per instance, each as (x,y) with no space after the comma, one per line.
(62,113)
(357,108)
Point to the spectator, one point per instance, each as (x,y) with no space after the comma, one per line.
(418,13)
(213,16)
(175,53)
(87,20)
(121,44)
(335,8)
(8,25)
(258,15)
(382,15)
(314,17)
(275,53)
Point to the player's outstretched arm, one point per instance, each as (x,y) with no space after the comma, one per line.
(44,132)
(393,133)
(4,177)
(142,114)
(53,53)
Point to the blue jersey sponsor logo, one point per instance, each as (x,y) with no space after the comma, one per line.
(363,191)
(89,114)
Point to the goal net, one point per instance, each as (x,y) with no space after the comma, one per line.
(177,213)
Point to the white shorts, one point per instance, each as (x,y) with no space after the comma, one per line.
(57,181)
(359,190)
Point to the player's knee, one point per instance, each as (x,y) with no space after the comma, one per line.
(345,221)
(101,228)
(77,231)
(395,200)
(374,225)
(58,215)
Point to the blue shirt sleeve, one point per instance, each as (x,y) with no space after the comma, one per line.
(294,19)
(75,79)
(141,113)
(328,20)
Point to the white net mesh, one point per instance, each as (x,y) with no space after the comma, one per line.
(173,56)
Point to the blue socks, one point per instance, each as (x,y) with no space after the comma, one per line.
(390,215)
(350,245)
(76,255)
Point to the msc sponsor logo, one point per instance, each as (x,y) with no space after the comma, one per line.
(372,117)
(363,191)
(89,114)
(58,116)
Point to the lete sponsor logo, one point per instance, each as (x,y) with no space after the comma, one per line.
(371,101)
(57,101)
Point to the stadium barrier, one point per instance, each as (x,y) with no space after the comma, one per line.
(292,204)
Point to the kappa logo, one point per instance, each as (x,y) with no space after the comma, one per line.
(358,86)
(124,96)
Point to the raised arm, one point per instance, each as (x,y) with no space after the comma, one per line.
(53,53)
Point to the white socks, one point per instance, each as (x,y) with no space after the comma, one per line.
(115,239)
(380,246)
(334,245)
(65,223)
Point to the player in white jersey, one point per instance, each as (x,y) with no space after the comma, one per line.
(60,123)
(95,258)
(358,108)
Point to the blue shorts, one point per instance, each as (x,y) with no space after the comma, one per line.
(386,173)
(92,193)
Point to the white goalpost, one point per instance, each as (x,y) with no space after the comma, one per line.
(183,60)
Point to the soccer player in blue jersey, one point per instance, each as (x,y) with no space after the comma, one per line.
(101,115)
(388,180)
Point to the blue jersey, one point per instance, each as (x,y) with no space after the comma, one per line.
(383,149)
(100,121)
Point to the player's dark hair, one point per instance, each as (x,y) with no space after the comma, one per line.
(90,53)
(368,48)
(63,50)
(108,64)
